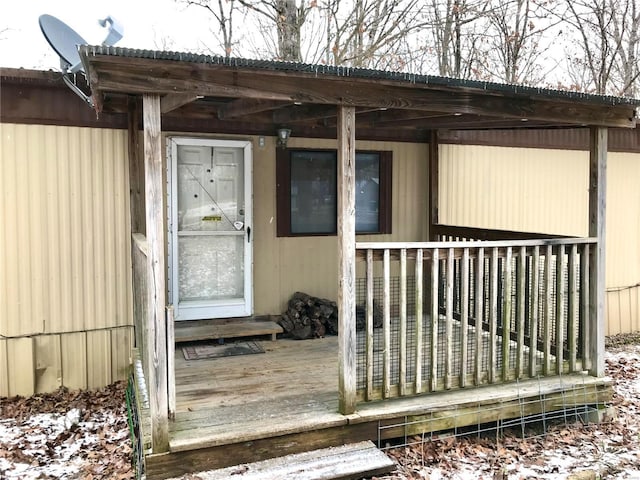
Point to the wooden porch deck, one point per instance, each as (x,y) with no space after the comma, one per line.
(241,409)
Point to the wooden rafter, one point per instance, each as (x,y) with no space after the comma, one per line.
(174,101)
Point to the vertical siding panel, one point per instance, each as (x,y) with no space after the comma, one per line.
(4,369)
(121,344)
(21,366)
(74,360)
(48,360)
(64,247)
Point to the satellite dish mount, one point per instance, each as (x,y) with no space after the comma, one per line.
(65,41)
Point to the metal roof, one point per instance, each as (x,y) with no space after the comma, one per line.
(356,73)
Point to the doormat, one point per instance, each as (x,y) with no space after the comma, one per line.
(202,352)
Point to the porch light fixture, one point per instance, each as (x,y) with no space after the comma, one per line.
(283,137)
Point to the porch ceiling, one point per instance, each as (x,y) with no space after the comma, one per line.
(252,96)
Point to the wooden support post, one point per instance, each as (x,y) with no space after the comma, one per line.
(155,213)
(434,161)
(597,219)
(346,259)
(136,167)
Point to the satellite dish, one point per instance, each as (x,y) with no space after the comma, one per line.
(65,41)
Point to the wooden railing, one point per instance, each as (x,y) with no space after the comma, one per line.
(140,308)
(460,314)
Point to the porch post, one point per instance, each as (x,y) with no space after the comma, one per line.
(346,259)
(136,167)
(597,218)
(434,167)
(155,211)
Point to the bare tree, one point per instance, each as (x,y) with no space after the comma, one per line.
(451,44)
(515,51)
(369,33)
(605,56)
(287,18)
(224,13)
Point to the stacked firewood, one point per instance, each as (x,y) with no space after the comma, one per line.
(312,317)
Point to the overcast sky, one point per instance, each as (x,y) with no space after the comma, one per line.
(153,24)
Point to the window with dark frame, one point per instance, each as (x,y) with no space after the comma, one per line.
(307,192)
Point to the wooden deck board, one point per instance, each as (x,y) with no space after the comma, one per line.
(190,331)
(346,462)
(243,409)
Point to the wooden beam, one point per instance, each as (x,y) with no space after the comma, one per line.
(124,75)
(156,302)
(597,228)
(136,167)
(304,113)
(346,259)
(434,169)
(247,106)
(173,101)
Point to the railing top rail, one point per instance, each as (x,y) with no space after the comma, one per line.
(474,244)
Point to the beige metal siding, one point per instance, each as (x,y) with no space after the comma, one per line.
(542,190)
(64,257)
(623,242)
(283,266)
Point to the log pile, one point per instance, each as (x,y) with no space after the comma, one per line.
(312,317)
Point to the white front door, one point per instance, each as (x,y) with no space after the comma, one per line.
(210,267)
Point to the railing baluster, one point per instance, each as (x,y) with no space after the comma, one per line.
(464,316)
(520,310)
(418,308)
(548,279)
(560,262)
(584,302)
(449,321)
(479,301)
(493,314)
(403,322)
(573,304)
(535,305)
(506,315)
(369,327)
(435,263)
(386,326)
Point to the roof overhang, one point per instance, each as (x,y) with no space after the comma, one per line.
(280,93)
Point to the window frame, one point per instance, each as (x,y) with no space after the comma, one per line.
(283,192)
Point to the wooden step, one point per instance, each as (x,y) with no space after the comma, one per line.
(194,330)
(348,462)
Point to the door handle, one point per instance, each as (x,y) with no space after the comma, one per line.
(248,234)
